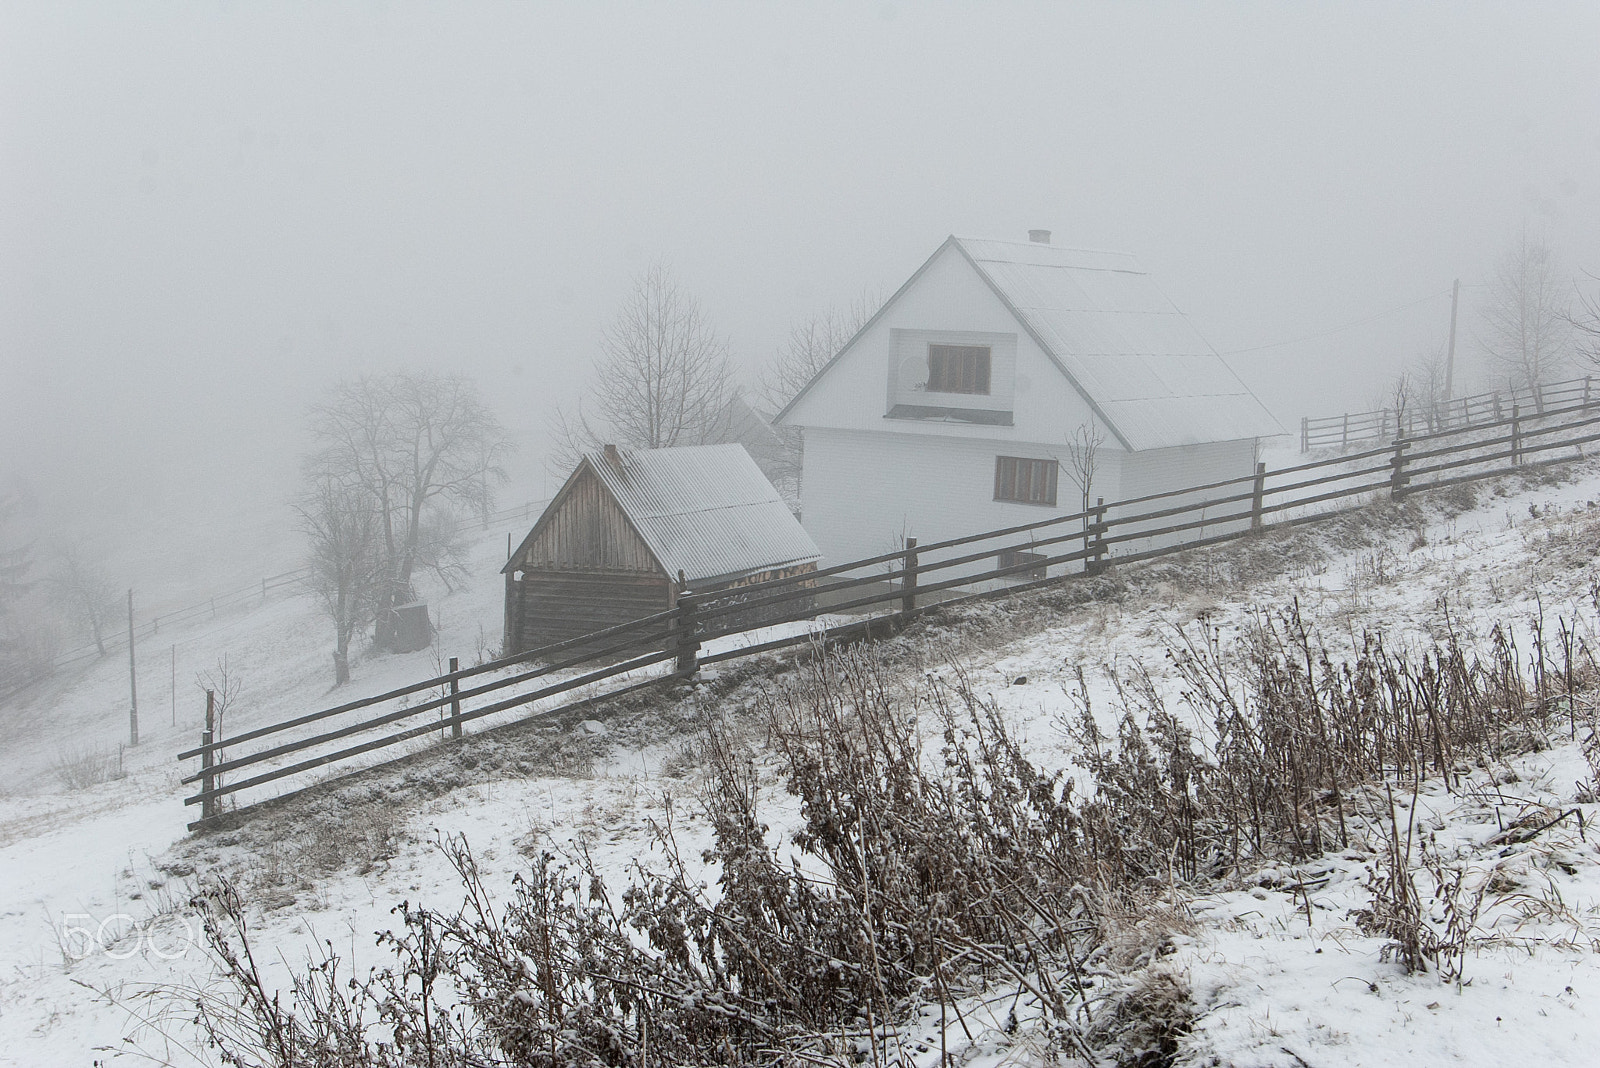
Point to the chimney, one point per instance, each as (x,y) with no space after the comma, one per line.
(613,457)
(1039,237)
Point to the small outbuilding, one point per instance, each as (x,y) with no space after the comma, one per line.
(631,529)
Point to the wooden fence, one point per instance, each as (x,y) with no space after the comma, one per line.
(1416,420)
(899,584)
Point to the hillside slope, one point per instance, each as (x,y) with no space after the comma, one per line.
(1275,963)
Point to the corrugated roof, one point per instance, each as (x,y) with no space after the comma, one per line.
(705,510)
(1131,352)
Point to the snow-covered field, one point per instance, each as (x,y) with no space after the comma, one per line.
(94,881)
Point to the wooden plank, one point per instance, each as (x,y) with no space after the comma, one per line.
(550,713)
(661,619)
(427,728)
(1522,450)
(575,660)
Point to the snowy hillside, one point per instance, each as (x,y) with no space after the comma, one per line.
(1280,962)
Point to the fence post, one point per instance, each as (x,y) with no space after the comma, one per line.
(1586,391)
(1516,435)
(1258,491)
(686,639)
(455,700)
(133,682)
(1397,474)
(1538,397)
(208,782)
(1094,538)
(1305,434)
(1344,434)
(908,585)
(1383,426)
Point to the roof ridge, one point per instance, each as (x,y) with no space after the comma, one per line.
(1037,244)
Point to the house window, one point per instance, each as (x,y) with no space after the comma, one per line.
(1017,478)
(958,369)
(1016,558)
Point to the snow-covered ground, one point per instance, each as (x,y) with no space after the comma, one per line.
(94,881)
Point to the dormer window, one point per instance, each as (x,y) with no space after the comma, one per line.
(958,369)
(952,376)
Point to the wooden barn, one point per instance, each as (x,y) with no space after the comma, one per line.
(614,541)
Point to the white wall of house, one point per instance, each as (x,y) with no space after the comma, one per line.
(869,490)
(1161,470)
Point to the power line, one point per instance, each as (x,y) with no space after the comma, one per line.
(1345,326)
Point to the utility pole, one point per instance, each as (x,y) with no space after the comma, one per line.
(133,682)
(1450,357)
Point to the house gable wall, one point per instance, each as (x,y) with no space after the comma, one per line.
(948,302)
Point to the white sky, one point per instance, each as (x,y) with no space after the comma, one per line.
(209,211)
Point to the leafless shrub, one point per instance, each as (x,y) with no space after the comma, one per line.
(935,881)
(937,861)
(1144,1019)
(80,767)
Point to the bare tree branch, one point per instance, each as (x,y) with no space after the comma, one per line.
(1584,321)
(408,442)
(811,344)
(347,559)
(1525,321)
(86,596)
(663,377)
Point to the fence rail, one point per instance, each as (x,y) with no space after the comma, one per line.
(1416,420)
(899,585)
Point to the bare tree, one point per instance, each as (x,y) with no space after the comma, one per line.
(347,560)
(27,644)
(84,593)
(663,377)
(1525,322)
(1081,460)
(15,560)
(409,443)
(442,547)
(1584,321)
(1080,463)
(811,344)
(223,683)
(1401,390)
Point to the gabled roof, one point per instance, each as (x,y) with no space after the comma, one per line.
(705,510)
(739,422)
(1135,358)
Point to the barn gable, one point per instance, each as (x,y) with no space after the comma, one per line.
(584,529)
(627,524)
(705,510)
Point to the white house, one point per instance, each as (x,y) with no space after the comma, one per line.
(952,410)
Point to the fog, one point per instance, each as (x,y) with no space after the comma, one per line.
(212,211)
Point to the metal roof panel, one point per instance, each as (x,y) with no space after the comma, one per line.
(705,510)
(1129,348)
